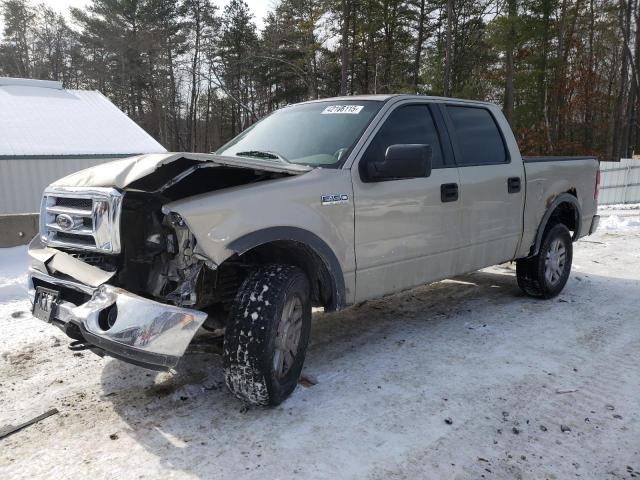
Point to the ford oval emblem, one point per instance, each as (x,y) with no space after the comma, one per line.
(65,222)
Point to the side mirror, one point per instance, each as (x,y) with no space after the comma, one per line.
(402,161)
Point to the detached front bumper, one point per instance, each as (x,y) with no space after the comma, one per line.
(112,321)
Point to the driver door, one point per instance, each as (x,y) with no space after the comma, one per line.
(407,231)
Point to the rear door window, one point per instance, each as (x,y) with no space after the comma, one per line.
(477,136)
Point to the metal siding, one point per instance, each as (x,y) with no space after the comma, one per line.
(620,182)
(22,181)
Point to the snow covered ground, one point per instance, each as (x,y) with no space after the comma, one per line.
(620,218)
(462,379)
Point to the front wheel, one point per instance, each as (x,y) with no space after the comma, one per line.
(546,274)
(267,335)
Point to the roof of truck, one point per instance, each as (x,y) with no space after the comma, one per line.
(398,96)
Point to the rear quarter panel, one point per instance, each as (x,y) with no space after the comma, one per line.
(545,181)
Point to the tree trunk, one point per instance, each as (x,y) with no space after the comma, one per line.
(620,110)
(419,44)
(344,68)
(509,94)
(543,97)
(589,83)
(448,61)
(195,65)
(352,56)
(635,125)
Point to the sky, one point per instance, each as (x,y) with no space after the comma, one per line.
(259,7)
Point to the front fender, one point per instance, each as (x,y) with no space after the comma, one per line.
(234,220)
(311,240)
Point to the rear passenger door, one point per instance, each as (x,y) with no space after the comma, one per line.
(491,187)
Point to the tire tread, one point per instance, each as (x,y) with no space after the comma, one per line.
(530,271)
(246,338)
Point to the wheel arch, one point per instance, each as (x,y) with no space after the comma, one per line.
(303,249)
(564,208)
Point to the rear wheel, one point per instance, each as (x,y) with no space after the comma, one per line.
(267,335)
(546,274)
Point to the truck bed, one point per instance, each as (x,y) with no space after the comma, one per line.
(535,159)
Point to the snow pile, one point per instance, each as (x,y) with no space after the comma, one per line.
(620,224)
(620,218)
(13,274)
(620,206)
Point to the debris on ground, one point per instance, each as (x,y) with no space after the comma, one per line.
(11,429)
(307,380)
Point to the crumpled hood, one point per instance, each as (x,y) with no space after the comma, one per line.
(122,173)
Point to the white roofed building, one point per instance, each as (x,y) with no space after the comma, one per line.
(47,132)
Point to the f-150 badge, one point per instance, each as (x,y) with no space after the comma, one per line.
(334,199)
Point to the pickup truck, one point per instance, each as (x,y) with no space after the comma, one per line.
(326,204)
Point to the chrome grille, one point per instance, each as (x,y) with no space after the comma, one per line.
(81,203)
(81,219)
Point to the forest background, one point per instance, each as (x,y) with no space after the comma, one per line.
(192,74)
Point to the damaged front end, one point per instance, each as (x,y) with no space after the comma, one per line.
(121,276)
(110,320)
(88,302)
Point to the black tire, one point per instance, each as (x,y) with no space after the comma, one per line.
(257,332)
(541,278)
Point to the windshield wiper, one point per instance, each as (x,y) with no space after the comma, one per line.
(261,154)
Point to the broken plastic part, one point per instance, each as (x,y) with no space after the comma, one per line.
(61,262)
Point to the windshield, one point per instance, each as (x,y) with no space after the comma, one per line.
(316,134)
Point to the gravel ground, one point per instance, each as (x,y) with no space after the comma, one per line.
(462,379)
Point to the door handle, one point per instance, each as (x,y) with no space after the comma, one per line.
(514,184)
(448,192)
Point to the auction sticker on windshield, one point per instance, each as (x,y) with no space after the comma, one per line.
(348,109)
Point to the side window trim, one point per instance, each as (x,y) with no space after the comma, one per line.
(446,145)
(453,136)
(450,134)
(447,159)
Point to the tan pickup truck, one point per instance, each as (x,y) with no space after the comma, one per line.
(325,203)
